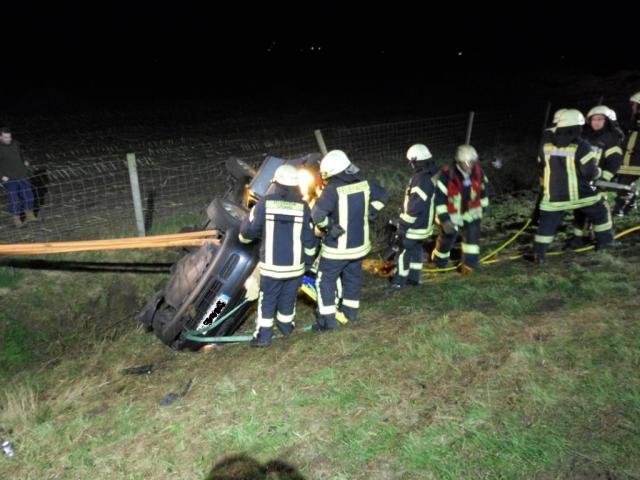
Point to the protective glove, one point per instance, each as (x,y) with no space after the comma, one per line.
(397,241)
(335,231)
(449,228)
(308,267)
(599,174)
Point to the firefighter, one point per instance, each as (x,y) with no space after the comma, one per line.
(547,134)
(343,211)
(630,170)
(283,221)
(416,219)
(461,196)
(605,138)
(569,168)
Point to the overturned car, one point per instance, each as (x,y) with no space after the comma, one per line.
(211,288)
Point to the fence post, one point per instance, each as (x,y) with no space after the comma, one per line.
(135,192)
(546,116)
(320,140)
(467,138)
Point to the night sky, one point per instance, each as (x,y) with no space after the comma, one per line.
(136,49)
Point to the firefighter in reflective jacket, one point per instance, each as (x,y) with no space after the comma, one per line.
(547,135)
(283,222)
(630,169)
(343,211)
(416,219)
(461,196)
(569,168)
(605,138)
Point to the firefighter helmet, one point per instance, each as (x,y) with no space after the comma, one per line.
(557,114)
(333,163)
(286,175)
(602,110)
(418,152)
(570,117)
(635,97)
(466,154)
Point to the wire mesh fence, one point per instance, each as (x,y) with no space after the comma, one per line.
(82,188)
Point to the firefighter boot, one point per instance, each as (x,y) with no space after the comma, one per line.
(393,288)
(465,270)
(17,221)
(285,328)
(575,242)
(263,337)
(609,245)
(30,216)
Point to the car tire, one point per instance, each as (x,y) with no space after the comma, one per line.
(224,214)
(162,326)
(239,169)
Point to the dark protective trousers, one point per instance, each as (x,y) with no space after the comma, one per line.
(277,301)
(409,262)
(350,273)
(582,225)
(470,245)
(597,213)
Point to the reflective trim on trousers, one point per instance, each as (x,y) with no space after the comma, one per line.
(350,303)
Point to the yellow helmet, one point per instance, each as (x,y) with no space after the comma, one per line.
(602,110)
(418,152)
(333,163)
(635,97)
(286,175)
(570,117)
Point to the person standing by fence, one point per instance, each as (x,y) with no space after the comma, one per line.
(605,138)
(462,195)
(630,170)
(416,220)
(343,212)
(570,166)
(15,178)
(283,221)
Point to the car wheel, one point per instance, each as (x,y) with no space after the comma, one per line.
(239,169)
(224,214)
(162,326)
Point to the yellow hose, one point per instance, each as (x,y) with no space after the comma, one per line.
(488,261)
(507,243)
(627,232)
(486,258)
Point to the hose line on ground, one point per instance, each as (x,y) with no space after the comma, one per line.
(487,260)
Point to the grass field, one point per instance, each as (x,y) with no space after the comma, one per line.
(514,372)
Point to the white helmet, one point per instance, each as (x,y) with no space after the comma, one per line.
(418,152)
(635,97)
(286,175)
(558,114)
(466,154)
(570,117)
(333,163)
(602,110)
